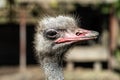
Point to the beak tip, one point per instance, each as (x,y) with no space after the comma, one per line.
(95,33)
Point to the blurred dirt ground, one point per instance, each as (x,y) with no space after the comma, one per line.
(35,73)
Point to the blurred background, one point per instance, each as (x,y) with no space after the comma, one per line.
(90,60)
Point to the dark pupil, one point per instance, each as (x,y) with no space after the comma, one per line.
(51,34)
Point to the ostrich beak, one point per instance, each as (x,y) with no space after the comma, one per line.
(79,35)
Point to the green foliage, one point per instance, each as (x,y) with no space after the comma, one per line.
(105,8)
(117,8)
(54,4)
(117,54)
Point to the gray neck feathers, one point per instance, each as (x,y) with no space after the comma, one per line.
(52,69)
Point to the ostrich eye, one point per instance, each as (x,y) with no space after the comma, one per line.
(51,34)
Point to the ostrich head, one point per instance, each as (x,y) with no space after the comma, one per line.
(54,35)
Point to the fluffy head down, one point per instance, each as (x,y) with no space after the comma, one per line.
(47,47)
(54,35)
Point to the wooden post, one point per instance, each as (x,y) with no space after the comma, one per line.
(70,66)
(97,66)
(113,37)
(22,40)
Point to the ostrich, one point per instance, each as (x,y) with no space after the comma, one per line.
(53,37)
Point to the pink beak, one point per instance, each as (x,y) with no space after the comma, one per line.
(79,35)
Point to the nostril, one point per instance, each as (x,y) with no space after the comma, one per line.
(78,33)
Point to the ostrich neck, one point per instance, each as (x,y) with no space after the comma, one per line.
(52,69)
